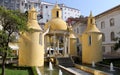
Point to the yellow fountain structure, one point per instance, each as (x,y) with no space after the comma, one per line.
(37,44)
(31,44)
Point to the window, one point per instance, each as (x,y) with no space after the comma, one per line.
(35,5)
(22,3)
(103,37)
(103,48)
(26,6)
(5,1)
(12,1)
(112,48)
(18,1)
(89,40)
(46,20)
(112,22)
(65,17)
(29,6)
(90,21)
(46,6)
(112,35)
(102,24)
(40,38)
(57,14)
(17,5)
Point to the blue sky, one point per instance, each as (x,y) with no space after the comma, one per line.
(85,6)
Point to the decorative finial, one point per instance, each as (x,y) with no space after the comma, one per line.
(32,4)
(56,1)
(91,14)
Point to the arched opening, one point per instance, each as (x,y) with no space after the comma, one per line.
(103,37)
(91,21)
(57,14)
(112,35)
(89,40)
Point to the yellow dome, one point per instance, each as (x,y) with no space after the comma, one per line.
(56,24)
(93,28)
(56,7)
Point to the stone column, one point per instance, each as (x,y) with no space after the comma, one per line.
(49,45)
(58,45)
(65,46)
(54,44)
(45,44)
(68,46)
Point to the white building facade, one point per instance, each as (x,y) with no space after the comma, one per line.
(79,28)
(22,5)
(43,9)
(108,23)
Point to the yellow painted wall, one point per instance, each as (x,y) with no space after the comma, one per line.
(91,52)
(31,52)
(73,47)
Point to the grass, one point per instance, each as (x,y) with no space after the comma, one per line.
(15,72)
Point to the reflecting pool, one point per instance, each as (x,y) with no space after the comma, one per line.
(46,71)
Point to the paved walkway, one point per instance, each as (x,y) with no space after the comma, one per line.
(75,71)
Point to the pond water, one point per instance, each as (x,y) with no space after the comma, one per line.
(105,69)
(45,70)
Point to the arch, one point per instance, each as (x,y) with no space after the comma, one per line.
(102,24)
(57,14)
(89,40)
(103,48)
(103,37)
(112,22)
(91,21)
(112,35)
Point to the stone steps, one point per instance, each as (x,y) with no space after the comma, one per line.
(65,61)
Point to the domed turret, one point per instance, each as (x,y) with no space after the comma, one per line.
(32,19)
(31,51)
(91,43)
(56,23)
(91,24)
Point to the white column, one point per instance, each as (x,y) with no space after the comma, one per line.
(65,46)
(54,45)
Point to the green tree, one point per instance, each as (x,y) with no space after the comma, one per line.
(12,22)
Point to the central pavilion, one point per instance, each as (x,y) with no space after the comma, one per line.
(57,40)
